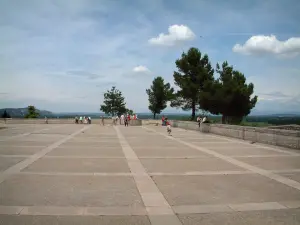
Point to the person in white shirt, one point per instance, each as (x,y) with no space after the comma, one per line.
(122,119)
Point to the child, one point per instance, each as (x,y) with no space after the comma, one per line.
(168,126)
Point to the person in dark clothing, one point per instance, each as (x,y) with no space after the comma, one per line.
(126,121)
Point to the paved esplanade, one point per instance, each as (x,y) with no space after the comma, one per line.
(89,174)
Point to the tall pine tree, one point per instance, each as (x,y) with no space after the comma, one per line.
(158,95)
(114,102)
(32,112)
(194,71)
(229,95)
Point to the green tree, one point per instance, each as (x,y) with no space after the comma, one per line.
(229,95)
(32,112)
(194,70)
(158,95)
(5,114)
(114,102)
(129,111)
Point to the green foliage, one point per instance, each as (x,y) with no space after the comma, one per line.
(5,115)
(194,71)
(114,102)
(129,111)
(32,112)
(158,95)
(229,95)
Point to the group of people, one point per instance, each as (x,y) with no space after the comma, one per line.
(124,119)
(83,120)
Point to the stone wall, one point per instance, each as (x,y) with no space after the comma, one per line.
(151,122)
(279,137)
(63,121)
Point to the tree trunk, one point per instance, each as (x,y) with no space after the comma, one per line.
(193,110)
(154,115)
(223,119)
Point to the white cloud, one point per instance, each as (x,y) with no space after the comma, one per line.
(269,45)
(177,34)
(141,69)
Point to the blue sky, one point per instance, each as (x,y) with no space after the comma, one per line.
(62,55)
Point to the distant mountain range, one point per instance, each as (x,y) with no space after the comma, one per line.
(21,112)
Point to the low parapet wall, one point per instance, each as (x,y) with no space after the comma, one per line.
(151,122)
(279,137)
(64,121)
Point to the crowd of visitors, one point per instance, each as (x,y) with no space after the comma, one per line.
(83,120)
(122,120)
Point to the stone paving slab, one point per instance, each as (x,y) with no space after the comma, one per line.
(41,138)
(90,144)
(274,217)
(244,151)
(247,188)
(5,162)
(74,220)
(186,165)
(273,163)
(167,152)
(77,191)
(293,176)
(189,178)
(76,165)
(24,143)
(87,151)
(19,150)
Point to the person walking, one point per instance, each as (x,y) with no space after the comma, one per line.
(122,119)
(102,120)
(168,126)
(199,120)
(126,121)
(163,120)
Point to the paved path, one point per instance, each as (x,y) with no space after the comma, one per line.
(89,174)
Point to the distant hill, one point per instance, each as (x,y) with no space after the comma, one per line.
(21,112)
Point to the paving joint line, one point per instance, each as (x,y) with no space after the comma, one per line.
(257,170)
(189,173)
(154,201)
(142,210)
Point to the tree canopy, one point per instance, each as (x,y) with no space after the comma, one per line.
(129,111)
(229,95)
(158,95)
(114,102)
(194,71)
(32,112)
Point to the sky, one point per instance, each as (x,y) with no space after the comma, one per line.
(63,55)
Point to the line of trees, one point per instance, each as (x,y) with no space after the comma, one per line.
(228,95)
